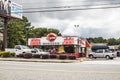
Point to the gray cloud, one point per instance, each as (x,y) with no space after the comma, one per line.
(92,23)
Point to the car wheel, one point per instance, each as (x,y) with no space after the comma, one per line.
(107,57)
(91,56)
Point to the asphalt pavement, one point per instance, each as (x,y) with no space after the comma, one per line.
(99,69)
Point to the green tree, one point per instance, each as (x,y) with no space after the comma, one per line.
(39,32)
(112,41)
(97,40)
(119,47)
(118,41)
(17,31)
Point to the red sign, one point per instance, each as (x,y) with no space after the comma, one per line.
(68,41)
(51,37)
(34,42)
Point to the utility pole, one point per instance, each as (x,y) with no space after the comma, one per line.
(5,33)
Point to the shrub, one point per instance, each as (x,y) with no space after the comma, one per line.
(62,57)
(45,56)
(36,55)
(53,56)
(0,54)
(72,57)
(12,54)
(5,54)
(27,55)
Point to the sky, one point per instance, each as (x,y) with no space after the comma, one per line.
(83,23)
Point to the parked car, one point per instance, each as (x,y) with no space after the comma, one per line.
(39,51)
(103,53)
(19,49)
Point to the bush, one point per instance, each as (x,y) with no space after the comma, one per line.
(45,56)
(62,57)
(13,54)
(53,56)
(36,55)
(5,54)
(0,54)
(27,55)
(72,57)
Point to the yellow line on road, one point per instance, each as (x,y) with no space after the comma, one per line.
(67,71)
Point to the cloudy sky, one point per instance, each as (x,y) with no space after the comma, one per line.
(83,23)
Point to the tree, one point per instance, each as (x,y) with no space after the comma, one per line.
(97,40)
(112,41)
(118,41)
(17,31)
(20,30)
(39,32)
(119,47)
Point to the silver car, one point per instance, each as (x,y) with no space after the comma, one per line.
(103,53)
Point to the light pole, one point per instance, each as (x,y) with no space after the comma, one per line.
(77,29)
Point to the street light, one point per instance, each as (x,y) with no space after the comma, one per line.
(76,31)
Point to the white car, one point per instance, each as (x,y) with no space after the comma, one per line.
(39,51)
(19,49)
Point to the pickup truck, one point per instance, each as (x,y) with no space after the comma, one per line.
(103,53)
(19,49)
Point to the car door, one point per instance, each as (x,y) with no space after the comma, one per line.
(18,50)
(99,54)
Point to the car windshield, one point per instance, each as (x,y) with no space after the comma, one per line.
(25,47)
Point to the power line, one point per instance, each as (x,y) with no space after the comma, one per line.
(54,2)
(75,1)
(72,6)
(70,9)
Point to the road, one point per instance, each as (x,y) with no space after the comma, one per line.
(99,69)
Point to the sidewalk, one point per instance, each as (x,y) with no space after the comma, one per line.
(44,60)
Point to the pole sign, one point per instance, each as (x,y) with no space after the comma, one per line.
(10,9)
(16,10)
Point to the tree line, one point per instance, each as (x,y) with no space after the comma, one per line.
(110,41)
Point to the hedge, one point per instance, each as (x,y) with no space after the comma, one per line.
(53,56)
(7,54)
(72,57)
(62,57)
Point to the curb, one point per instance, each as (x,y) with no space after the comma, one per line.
(43,60)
